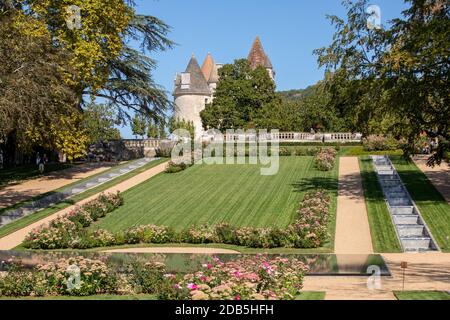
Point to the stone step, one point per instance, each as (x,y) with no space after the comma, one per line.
(394,202)
(384,173)
(406,219)
(397,194)
(402,209)
(384,167)
(390,183)
(388,177)
(410,230)
(394,189)
(416,243)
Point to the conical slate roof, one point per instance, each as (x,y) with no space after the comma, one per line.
(208,66)
(257,56)
(198,84)
(214,75)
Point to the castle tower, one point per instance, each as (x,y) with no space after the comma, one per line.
(211,72)
(258,57)
(191,94)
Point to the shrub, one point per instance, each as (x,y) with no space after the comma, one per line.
(247,278)
(197,235)
(148,234)
(176,167)
(325,159)
(68,231)
(17,282)
(146,278)
(95,277)
(380,143)
(226,233)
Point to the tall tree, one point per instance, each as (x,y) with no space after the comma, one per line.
(139,125)
(400,71)
(240,96)
(99,121)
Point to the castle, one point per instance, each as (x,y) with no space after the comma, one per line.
(195,87)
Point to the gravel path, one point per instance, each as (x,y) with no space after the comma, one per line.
(426,271)
(352,225)
(16,238)
(15,193)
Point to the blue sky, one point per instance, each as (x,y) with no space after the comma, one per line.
(289,29)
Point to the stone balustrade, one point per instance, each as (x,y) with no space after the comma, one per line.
(293,137)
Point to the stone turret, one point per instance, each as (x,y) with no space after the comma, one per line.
(258,57)
(191,94)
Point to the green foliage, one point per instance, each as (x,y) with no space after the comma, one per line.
(175,124)
(99,120)
(139,125)
(240,96)
(395,78)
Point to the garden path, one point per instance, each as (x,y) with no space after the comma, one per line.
(14,193)
(426,271)
(16,238)
(439,176)
(352,225)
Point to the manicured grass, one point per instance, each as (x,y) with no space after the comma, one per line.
(382,230)
(433,207)
(359,151)
(21,173)
(311,295)
(422,295)
(21,223)
(236,194)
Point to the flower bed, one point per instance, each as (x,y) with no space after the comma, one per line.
(248,278)
(325,159)
(308,231)
(69,230)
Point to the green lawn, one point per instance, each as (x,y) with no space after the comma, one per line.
(384,237)
(433,207)
(311,295)
(211,194)
(21,173)
(21,223)
(422,295)
(359,151)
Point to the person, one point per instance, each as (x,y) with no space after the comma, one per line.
(40,163)
(45,158)
(1,159)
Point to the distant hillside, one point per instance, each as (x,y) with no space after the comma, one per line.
(298,94)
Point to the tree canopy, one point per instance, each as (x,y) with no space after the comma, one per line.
(397,74)
(241,94)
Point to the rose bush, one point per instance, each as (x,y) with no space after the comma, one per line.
(325,159)
(249,278)
(68,231)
